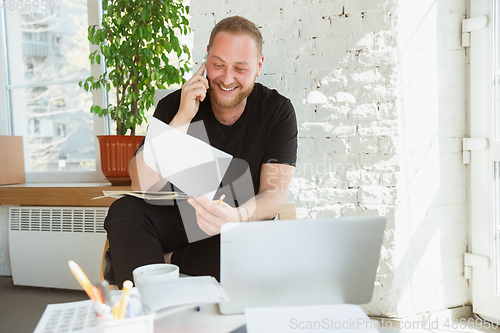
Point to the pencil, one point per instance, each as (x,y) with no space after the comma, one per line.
(221,198)
(82,279)
(127,285)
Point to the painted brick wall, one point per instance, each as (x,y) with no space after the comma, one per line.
(374,84)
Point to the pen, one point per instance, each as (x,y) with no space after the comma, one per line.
(103,288)
(83,280)
(116,308)
(127,285)
(133,309)
(221,198)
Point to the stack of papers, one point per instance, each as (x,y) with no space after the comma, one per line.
(145,195)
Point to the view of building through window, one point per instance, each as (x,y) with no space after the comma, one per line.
(47,54)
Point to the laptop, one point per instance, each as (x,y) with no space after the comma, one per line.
(300,262)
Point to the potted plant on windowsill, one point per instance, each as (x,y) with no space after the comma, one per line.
(137,42)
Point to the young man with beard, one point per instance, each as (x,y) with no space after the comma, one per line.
(254,124)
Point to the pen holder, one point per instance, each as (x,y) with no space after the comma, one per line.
(140,324)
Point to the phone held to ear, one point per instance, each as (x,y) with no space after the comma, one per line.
(205,62)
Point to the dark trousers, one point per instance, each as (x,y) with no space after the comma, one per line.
(140,233)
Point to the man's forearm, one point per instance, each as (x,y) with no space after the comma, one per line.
(143,177)
(264,206)
(180,123)
(134,175)
(275,180)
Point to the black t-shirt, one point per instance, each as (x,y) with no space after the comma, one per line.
(266,131)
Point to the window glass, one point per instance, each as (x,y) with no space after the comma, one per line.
(47,54)
(496,69)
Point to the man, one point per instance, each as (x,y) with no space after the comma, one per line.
(254,124)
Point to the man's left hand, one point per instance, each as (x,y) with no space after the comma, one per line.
(211,216)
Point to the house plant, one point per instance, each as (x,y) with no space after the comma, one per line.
(137,41)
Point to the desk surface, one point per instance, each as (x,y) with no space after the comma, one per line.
(58,194)
(207,320)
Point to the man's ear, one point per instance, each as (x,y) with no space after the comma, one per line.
(259,65)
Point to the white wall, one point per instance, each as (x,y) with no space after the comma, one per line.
(379,91)
(5,269)
(431,227)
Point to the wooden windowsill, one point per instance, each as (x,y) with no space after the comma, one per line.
(58,194)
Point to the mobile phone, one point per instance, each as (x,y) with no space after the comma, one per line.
(205,62)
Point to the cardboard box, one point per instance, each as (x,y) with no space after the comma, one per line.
(11,160)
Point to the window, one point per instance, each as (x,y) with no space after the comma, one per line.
(485,164)
(46,55)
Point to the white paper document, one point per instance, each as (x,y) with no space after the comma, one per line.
(149,195)
(314,318)
(169,296)
(189,163)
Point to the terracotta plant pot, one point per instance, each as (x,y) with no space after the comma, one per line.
(116,153)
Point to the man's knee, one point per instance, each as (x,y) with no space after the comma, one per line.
(124,208)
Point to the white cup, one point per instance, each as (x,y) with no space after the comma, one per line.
(154,274)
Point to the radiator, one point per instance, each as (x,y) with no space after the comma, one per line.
(43,239)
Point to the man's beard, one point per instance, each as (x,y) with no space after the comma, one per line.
(214,97)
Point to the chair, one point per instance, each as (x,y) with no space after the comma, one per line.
(287,212)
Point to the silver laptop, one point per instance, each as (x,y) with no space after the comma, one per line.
(300,262)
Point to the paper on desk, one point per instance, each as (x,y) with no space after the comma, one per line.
(313,318)
(149,195)
(171,295)
(192,165)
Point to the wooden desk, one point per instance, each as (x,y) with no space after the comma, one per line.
(58,194)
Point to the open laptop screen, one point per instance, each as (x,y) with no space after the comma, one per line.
(300,262)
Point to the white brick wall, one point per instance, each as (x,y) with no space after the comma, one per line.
(378,87)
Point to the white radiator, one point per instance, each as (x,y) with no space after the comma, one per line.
(43,239)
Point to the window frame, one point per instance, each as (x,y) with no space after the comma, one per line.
(99,97)
(481,99)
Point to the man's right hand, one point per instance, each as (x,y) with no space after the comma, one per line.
(193,92)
